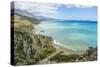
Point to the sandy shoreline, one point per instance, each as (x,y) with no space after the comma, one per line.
(66,50)
(59,45)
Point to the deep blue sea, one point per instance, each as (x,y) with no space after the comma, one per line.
(76,35)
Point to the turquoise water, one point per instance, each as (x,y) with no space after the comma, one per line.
(73,35)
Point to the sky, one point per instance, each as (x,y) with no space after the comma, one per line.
(59,11)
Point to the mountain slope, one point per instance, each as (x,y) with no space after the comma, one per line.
(29,47)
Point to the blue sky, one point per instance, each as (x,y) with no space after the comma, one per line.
(59,11)
(78,13)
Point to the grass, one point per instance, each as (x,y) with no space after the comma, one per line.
(29,48)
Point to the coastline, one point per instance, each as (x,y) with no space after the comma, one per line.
(66,50)
(58,45)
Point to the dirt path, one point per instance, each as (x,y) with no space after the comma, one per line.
(47,58)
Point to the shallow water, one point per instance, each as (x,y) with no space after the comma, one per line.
(73,35)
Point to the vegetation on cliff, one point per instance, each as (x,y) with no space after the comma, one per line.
(29,48)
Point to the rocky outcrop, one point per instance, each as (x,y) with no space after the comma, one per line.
(90,54)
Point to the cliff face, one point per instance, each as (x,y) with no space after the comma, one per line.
(29,48)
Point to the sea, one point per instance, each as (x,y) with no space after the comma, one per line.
(76,35)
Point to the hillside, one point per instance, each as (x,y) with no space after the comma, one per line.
(29,48)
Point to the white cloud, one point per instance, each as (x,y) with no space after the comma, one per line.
(77,6)
(45,9)
(39,9)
